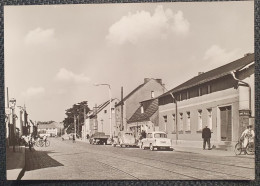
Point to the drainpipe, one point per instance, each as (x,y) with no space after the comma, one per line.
(234,76)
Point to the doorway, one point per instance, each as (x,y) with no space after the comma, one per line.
(226,123)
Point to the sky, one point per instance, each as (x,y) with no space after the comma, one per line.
(54,54)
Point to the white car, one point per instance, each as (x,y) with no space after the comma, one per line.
(156,140)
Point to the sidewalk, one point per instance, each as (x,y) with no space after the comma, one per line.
(213,152)
(15,162)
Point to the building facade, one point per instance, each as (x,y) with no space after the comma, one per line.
(124,110)
(145,118)
(98,120)
(222,99)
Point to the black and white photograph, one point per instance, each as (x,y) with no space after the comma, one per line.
(130,91)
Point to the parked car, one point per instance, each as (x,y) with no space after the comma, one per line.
(98,138)
(156,140)
(126,139)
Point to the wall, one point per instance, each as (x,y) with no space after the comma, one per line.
(209,101)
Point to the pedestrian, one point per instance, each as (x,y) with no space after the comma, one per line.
(73,138)
(206,135)
(45,139)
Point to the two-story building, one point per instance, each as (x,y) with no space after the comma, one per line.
(98,119)
(124,110)
(222,99)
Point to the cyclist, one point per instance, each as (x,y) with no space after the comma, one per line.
(45,139)
(248,135)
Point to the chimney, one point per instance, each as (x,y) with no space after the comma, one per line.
(199,73)
(159,81)
(146,80)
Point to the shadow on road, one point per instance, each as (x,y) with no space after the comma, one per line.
(39,160)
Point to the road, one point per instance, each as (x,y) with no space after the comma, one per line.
(64,160)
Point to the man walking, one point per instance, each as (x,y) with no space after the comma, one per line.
(206,135)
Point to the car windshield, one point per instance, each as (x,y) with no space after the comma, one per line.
(160,135)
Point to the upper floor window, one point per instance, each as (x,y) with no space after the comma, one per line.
(188,95)
(200,91)
(152,94)
(105,111)
(209,89)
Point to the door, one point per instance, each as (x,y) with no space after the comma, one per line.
(226,123)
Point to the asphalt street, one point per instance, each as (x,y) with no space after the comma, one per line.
(64,160)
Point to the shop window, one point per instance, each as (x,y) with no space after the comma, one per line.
(199,120)
(188,122)
(209,122)
(181,122)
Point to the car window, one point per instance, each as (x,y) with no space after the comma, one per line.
(160,135)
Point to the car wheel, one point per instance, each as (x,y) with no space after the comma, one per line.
(151,147)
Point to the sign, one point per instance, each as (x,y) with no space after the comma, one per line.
(244,113)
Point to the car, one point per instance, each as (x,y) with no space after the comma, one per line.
(126,139)
(156,140)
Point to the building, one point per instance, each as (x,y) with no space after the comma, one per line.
(124,110)
(146,117)
(52,129)
(222,99)
(98,120)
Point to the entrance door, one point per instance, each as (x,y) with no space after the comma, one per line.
(226,123)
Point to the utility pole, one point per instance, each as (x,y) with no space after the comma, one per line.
(75,125)
(84,122)
(122,110)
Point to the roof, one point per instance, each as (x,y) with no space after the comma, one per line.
(150,107)
(101,107)
(51,125)
(214,74)
(136,89)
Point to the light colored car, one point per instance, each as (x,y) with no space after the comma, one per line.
(65,137)
(156,140)
(126,139)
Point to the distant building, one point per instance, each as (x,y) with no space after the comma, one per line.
(222,99)
(146,117)
(151,88)
(53,129)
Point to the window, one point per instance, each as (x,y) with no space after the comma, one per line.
(199,120)
(188,121)
(209,123)
(160,135)
(174,123)
(181,122)
(200,91)
(152,94)
(113,110)
(180,97)
(209,89)
(165,123)
(105,111)
(142,109)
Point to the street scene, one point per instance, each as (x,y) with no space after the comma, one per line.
(63,160)
(130,92)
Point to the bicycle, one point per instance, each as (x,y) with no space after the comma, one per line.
(41,143)
(249,149)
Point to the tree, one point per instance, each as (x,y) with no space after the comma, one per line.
(78,111)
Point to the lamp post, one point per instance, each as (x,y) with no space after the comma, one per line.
(110,113)
(13,102)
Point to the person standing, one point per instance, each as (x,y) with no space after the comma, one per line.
(206,135)
(73,138)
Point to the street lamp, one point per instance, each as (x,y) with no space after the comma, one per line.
(110,114)
(13,102)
